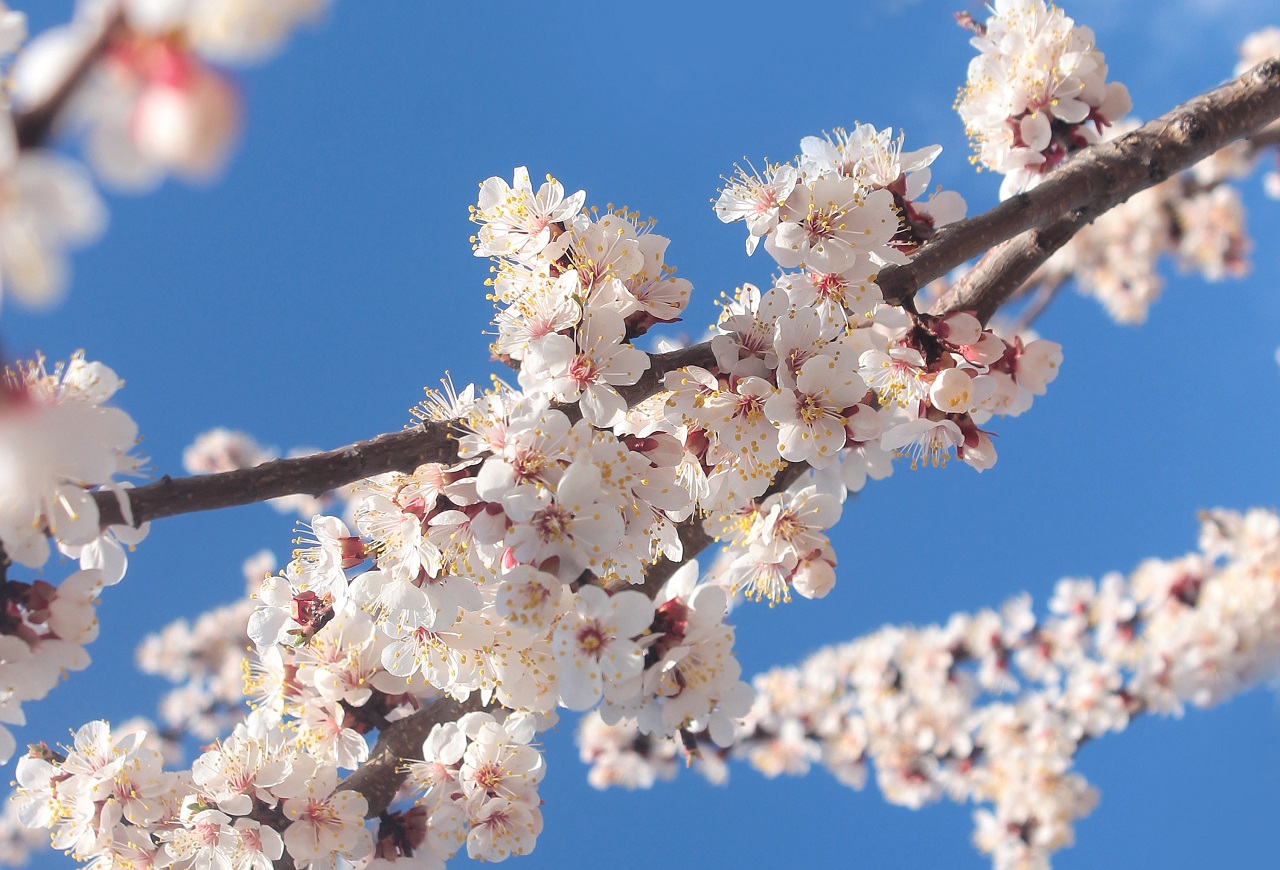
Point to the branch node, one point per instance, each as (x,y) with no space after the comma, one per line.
(1267,71)
(1192,128)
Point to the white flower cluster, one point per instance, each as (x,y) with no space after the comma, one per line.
(1196,217)
(992,707)
(58,442)
(851,201)
(1036,92)
(479,778)
(818,370)
(107,800)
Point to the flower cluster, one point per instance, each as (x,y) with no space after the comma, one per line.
(479,778)
(1036,92)
(107,800)
(991,707)
(817,369)
(529,574)
(851,201)
(58,442)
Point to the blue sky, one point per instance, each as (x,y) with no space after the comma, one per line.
(309,295)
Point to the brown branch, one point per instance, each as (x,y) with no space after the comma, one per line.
(321,472)
(1000,274)
(1089,183)
(313,475)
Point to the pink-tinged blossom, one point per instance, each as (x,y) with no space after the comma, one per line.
(927,442)
(587,370)
(207,840)
(756,199)
(516,222)
(501,828)
(895,375)
(547,307)
(839,297)
(326,825)
(56,442)
(1036,91)
(530,598)
(744,344)
(595,649)
(578,523)
(811,418)
(258,847)
(499,763)
(829,222)
(604,249)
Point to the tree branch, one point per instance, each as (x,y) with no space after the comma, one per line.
(1000,274)
(1098,178)
(1179,139)
(320,472)
(1086,185)
(313,475)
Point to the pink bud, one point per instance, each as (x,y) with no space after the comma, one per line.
(187,126)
